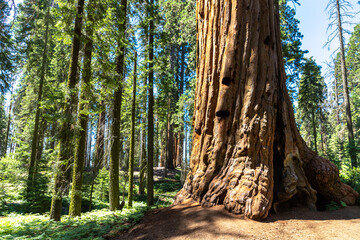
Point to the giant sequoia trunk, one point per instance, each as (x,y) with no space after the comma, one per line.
(247,152)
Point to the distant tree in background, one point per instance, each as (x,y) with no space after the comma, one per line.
(67,128)
(6,48)
(311,96)
(291,46)
(83,118)
(338,9)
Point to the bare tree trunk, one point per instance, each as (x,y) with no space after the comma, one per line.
(150,146)
(181,91)
(314,131)
(170,140)
(83,119)
(247,152)
(323,132)
(99,159)
(143,149)
(337,101)
(352,150)
(40,146)
(68,127)
(132,139)
(340,137)
(177,150)
(142,166)
(114,190)
(163,142)
(88,144)
(100,141)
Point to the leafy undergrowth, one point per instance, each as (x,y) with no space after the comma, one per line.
(97,224)
(92,225)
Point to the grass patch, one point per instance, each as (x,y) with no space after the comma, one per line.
(97,224)
(91,225)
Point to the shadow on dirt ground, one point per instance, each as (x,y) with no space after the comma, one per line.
(194,222)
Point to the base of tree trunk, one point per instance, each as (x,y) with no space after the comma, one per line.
(247,153)
(248,194)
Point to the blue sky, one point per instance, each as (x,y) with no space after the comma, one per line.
(314,21)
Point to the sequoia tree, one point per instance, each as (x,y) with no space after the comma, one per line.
(247,152)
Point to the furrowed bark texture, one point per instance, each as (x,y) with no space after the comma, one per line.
(247,152)
(150,145)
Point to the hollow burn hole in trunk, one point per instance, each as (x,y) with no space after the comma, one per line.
(278,157)
(278,163)
(321,202)
(297,201)
(226,81)
(222,113)
(267,40)
(197,131)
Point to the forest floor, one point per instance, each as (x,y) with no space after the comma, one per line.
(191,221)
(177,222)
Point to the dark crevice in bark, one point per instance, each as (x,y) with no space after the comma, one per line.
(278,158)
(321,202)
(267,40)
(226,81)
(197,131)
(222,113)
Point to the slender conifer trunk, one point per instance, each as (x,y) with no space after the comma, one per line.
(67,128)
(132,139)
(349,125)
(80,146)
(114,190)
(143,150)
(150,152)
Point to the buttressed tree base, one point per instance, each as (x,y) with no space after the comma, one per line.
(247,151)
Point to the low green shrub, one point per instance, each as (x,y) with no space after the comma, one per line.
(96,224)
(351,176)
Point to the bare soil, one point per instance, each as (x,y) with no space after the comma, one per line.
(191,221)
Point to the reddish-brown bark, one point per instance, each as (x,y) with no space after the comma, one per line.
(247,152)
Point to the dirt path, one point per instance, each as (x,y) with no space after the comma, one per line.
(194,222)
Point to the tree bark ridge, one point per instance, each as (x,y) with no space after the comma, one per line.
(247,152)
